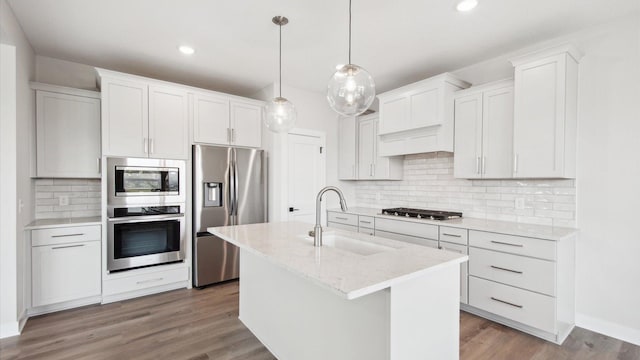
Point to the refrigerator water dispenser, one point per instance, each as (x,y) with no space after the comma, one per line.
(212,194)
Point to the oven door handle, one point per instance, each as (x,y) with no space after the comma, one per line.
(130,219)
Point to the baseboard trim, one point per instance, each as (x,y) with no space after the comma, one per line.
(45,309)
(106,299)
(9,329)
(608,328)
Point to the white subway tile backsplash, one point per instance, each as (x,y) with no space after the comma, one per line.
(83,194)
(429,183)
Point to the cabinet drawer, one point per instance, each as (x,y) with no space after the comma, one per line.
(523,306)
(519,245)
(427,231)
(342,226)
(407,238)
(453,235)
(366,221)
(342,218)
(144,281)
(461,249)
(65,235)
(65,272)
(523,272)
(364,230)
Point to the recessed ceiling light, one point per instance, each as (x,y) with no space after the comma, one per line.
(466,5)
(187,50)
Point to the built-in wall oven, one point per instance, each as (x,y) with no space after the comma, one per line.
(145,212)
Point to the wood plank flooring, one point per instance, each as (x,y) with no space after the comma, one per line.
(203,324)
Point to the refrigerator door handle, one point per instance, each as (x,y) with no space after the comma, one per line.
(235,185)
(229,189)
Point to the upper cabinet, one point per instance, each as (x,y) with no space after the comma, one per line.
(484,131)
(226,120)
(545,113)
(141,118)
(359,157)
(418,118)
(348,148)
(67,131)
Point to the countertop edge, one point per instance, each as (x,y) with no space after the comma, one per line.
(66,222)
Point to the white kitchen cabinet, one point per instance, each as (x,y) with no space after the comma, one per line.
(67,131)
(65,265)
(143,118)
(418,118)
(224,120)
(484,131)
(348,148)
(545,113)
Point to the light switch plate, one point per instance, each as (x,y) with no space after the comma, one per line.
(519,203)
(63,200)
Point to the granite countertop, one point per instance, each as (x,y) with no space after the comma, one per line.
(503,227)
(53,223)
(347,274)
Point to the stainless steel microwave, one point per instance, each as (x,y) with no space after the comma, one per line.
(136,181)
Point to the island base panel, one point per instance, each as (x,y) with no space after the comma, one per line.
(296,318)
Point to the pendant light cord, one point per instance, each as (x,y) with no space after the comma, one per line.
(349,31)
(280,60)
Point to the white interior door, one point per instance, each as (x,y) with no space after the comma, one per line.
(305,176)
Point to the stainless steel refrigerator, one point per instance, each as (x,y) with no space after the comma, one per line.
(229,188)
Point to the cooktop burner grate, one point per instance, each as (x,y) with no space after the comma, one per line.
(422,213)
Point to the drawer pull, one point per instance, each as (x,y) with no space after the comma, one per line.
(504,269)
(148,281)
(453,235)
(66,235)
(365,222)
(341,218)
(66,247)
(506,302)
(505,243)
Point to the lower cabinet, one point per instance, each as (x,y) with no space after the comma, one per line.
(65,265)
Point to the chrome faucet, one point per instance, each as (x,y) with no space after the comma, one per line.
(317,230)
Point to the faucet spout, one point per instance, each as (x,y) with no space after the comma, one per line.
(317,230)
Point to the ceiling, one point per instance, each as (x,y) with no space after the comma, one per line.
(236,43)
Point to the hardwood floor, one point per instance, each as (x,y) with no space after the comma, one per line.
(203,324)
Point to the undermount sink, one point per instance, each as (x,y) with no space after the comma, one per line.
(349,244)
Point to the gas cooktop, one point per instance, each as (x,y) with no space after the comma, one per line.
(422,213)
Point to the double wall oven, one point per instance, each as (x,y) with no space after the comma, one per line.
(145,212)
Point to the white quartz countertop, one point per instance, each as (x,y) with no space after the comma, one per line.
(53,223)
(503,227)
(345,273)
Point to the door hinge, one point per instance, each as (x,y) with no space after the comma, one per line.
(320,149)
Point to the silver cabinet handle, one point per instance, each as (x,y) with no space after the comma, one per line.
(484,160)
(504,243)
(505,269)
(365,222)
(228,135)
(66,235)
(98,165)
(341,218)
(515,163)
(148,281)
(506,302)
(233,135)
(151,146)
(452,235)
(66,247)
(353,170)
(373,170)
(477,164)
(146,145)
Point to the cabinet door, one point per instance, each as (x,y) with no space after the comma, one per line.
(539,118)
(347,148)
(246,124)
(366,148)
(68,135)
(65,272)
(468,137)
(394,114)
(424,108)
(211,119)
(168,123)
(125,130)
(497,133)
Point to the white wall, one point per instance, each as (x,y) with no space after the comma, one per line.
(608,177)
(11,33)
(65,73)
(313,113)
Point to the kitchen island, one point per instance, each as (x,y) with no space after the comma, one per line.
(356,297)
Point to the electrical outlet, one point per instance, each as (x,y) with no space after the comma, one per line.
(519,203)
(63,200)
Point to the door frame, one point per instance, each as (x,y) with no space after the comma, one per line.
(279,172)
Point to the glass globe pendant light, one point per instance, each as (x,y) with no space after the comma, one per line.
(351,89)
(279,113)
